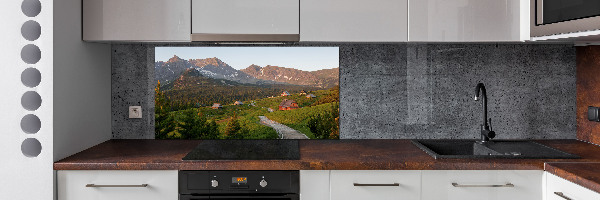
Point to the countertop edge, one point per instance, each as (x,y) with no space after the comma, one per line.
(578,179)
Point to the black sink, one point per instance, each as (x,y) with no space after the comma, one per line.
(492,149)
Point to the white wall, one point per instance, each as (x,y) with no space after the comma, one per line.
(75,92)
(24,177)
(82,84)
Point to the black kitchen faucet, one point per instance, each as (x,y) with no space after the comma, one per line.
(486,129)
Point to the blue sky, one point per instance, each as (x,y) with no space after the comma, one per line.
(303,58)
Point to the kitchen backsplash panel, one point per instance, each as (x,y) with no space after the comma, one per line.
(588,85)
(408,90)
(132,85)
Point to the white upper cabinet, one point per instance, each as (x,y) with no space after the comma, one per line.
(244,20)
(468,20)
(136,20)
(354,20)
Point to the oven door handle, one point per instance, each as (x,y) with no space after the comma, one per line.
(250,197)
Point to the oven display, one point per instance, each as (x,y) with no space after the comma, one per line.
(239,180)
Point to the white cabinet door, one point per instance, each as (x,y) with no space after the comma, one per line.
(468,20)
(136,20)
(561,189)
(354,20)
(482,184)
(117,185)
(245,17)
(375,185)
(314,184)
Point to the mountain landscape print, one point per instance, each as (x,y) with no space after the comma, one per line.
(246,93)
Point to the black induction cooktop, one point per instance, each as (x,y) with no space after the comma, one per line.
(245,150)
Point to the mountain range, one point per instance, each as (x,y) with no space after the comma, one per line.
(325,78)
(194,88)
(167,72)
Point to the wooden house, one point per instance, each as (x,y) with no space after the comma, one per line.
(238,103)
(217,106)
(285,93)
(310,96)
(288,105)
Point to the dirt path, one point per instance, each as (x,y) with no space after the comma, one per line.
(284,131)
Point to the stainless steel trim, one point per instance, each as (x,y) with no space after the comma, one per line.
(573,26)
(94,185)
(539,12)
(377,185)
(505,185)
(252,43)
(560,194)
(208,37)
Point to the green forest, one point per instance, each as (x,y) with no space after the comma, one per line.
(183,110)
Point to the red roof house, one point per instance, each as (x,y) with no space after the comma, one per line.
(288,105)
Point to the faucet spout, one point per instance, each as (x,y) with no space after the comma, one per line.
(486,133)
(481,88)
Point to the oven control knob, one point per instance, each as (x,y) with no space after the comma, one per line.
(263,183)
(214,183)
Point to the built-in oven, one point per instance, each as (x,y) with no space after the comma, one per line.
(553,17)
(234,185)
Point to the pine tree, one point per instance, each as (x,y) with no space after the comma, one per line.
(212,131)
(163,120)
(233,130)
(190,125)
(325,125)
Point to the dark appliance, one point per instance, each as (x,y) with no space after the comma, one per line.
(554,11)
(234,185)
(560,17)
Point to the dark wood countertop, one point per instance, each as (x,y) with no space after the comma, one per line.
(331,155)
(581,173)
(314,155)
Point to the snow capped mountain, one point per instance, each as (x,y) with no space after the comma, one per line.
(209,67)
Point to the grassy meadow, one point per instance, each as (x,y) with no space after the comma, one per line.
(241,121)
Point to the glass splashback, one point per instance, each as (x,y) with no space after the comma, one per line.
(246,92)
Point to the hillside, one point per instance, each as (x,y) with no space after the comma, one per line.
(325,78)
(194,89)
(189,88)
(247,115)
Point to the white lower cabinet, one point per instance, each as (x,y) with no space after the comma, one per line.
(341,185)
(561,189)
(375,185)
(314,184)
(482,184)
(117,185)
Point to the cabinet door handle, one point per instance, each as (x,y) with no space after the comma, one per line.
(94,185)
(505,185)
(560,194)
(368,184)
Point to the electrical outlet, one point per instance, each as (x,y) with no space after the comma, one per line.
(135,112)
